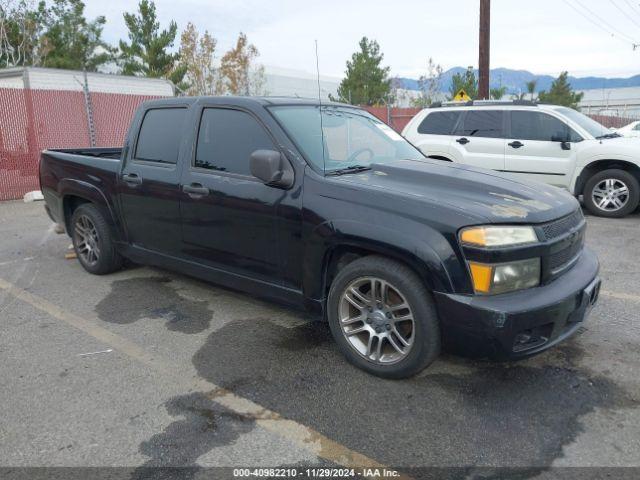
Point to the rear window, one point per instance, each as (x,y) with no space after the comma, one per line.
(159,137)
(439,123)
(483,123)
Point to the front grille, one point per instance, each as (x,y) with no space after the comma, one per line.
(559,227)
(564,257)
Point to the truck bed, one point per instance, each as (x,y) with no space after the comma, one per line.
(102,152)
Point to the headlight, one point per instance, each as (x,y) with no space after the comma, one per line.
(505,277)
(497,236)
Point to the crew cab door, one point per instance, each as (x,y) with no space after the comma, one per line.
(479,139)
(149,181)
(229,216)
(535,149)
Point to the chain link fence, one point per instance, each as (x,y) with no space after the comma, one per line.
(34,117)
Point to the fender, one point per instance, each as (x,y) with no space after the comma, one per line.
(595,163)
(79,188)
(415,251)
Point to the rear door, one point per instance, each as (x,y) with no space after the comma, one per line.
(434,134)
(149,181)
(229,216)
(479,139)
(535,150)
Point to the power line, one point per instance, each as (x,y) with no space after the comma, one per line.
(622,34)
(600,26)
(625,13)
(631,6)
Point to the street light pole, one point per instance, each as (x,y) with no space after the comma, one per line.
(483,58)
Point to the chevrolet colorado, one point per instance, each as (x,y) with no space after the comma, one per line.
(325,208)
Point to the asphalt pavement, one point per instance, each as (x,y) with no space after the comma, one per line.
(146,368)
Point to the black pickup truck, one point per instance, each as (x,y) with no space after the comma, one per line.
(325,208)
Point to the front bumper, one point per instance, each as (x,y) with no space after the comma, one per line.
(520,324)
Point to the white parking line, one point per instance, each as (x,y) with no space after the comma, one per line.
(305,437)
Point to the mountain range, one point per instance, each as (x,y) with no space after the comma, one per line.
(515,80)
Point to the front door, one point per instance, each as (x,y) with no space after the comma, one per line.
(535,150)
(149,182)
(479,139)
(229,217)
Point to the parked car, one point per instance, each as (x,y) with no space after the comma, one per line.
(534,142)
(631,131)
(347,221)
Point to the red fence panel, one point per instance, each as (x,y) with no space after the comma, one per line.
(396,117)
(34,120)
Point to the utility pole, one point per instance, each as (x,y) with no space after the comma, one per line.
(483,58)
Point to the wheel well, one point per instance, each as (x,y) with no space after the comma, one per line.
(69,205)
(341,256)
(600,165)
(440,157)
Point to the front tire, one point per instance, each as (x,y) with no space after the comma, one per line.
(93,241)
(611,193)
(383,318)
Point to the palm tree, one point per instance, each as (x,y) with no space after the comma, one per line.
(531,88)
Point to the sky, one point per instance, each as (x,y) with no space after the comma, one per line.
(585,37)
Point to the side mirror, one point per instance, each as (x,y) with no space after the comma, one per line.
(564,141)
(272,168)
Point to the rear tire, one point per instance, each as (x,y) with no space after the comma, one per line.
(357,313)
(604,193)
(93,241)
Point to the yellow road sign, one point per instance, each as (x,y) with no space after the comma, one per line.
(461,96)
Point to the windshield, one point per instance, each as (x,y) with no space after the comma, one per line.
(352,137)
(594,128)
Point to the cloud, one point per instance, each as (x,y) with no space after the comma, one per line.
(545,36)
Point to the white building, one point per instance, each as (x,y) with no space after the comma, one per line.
(617,102)
(72,80)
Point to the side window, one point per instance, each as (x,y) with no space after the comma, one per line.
(227,138)
(539,126)
(637,127)
(159,137)
(483,123)
(439,123)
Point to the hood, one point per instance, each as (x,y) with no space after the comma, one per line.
(485,194)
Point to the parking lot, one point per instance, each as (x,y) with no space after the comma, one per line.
(149,368)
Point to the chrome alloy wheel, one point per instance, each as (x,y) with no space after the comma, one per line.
(87,238)
(376,320)
(610,194)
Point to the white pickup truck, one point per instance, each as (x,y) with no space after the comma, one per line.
(529,141)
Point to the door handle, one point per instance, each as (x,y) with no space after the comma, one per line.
(516,144)
(462,141)
(132,178)
(195,190)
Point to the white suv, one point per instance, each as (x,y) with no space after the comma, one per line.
(529,141)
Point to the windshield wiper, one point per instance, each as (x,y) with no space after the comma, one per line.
(609,135)
(349,169)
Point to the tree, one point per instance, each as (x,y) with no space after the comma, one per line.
(196,55)
(58,36)
(429,85)
(531,88)
(467,82)
(561,93)
(238,75)
(147,53)
(70,40)
(498,92)
(366,82)
(20,33)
